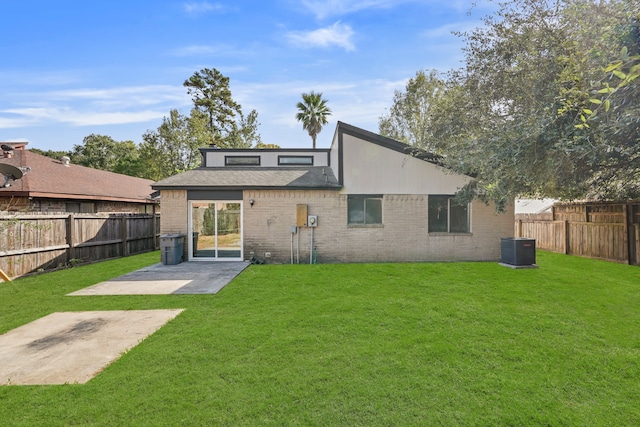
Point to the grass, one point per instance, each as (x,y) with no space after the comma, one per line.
(368,344)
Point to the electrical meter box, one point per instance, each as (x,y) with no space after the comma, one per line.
(301,215)
(312,221)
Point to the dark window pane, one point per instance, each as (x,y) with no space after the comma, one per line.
(364,209)
(295,160)
(438,212)
(373,209)
(242,160)
(459,218)
(355,206)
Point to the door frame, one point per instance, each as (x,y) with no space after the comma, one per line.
(190,231)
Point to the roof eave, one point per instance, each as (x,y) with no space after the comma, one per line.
(76,197)
(246,187)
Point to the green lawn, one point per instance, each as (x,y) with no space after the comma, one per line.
(368,344)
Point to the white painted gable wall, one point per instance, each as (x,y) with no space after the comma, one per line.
(372,169)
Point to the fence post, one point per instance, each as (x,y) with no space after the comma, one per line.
(626,230)
(124,234)
(566,237)
(71,239)
(637,227)
(519,228)
(156,242)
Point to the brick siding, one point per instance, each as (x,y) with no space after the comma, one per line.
(403,237)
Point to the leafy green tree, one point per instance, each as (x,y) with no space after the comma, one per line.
(246,133)
(96,151)
(227,124)
(173,147)
(409,119)
(513,117)
(313,113)
(51,153)
(606,107)
(262,145)
(103,152)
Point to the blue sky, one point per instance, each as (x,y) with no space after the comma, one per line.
(71,68)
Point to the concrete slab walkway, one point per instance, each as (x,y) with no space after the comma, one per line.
(73,347)
(159,279)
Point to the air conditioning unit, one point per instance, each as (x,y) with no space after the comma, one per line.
(518,251)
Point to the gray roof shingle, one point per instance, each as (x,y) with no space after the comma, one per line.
(300,178)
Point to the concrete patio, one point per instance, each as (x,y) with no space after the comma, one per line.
(159,279)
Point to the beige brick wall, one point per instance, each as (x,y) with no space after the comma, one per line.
(175,214)
(175,211)
(403,237)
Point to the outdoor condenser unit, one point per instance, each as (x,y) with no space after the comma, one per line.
(517,251)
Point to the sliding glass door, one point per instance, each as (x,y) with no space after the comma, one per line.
(216,230)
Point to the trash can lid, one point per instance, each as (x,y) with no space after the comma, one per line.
(171,236)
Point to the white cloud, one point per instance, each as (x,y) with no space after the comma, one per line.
(337,34)
(323,8)
(195,8)
(218,49)
(91,106)
(330,8)
(75,117)
(128,97)
(39,78)
(14,122)
(196,50)
(80,118)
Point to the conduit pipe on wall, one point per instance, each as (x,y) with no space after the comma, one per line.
(298,250)
(311,248)
(294,230)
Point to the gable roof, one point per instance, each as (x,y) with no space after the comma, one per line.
(49,178)
(287,177)
(252,178)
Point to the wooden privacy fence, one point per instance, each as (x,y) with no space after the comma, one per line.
(30,243)
(609,231)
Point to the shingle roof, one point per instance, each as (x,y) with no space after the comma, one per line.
(50,178)
(297,178)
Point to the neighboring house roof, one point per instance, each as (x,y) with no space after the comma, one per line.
(294,178)
(50,178)
(533,206)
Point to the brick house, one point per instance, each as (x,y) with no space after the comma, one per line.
(57,186)
(366,199)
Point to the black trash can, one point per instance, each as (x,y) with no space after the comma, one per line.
(517,251)
(171,248)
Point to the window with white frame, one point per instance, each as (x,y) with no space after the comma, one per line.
(447,216)
(364,209)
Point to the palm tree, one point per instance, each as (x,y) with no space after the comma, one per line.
(313,114)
